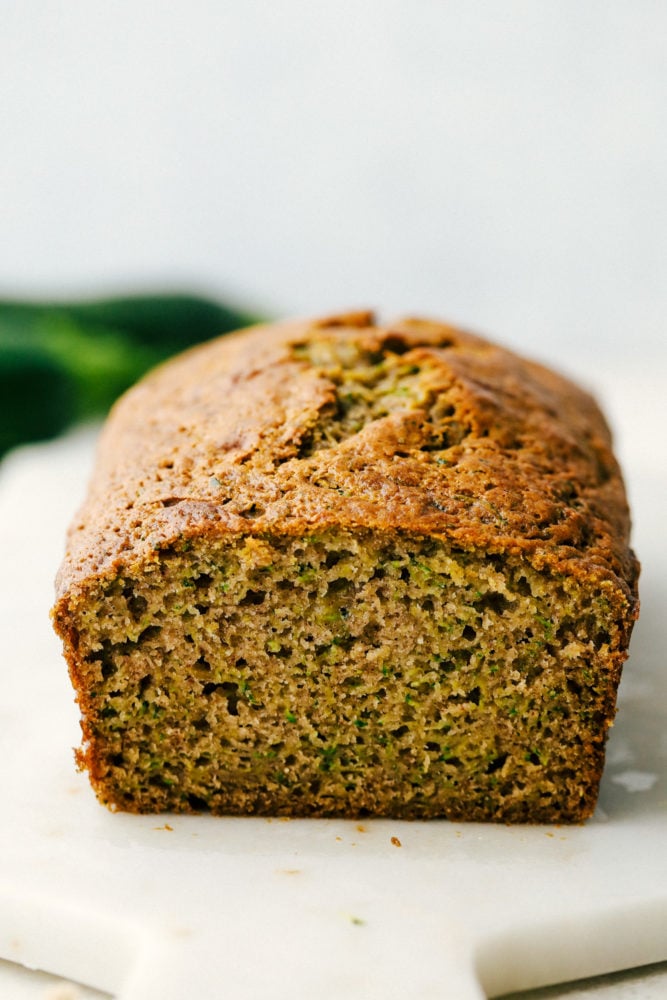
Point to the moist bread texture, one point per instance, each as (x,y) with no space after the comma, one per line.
(331,568)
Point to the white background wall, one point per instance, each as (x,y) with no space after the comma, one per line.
(500,164)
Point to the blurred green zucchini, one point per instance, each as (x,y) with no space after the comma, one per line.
(68,361)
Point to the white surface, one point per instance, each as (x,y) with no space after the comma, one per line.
(148,907)
(19,983)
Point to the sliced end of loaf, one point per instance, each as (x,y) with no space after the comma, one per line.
(345,673)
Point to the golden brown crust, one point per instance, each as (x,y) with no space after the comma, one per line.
(519,462)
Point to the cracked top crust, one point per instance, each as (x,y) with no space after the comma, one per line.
(413,427)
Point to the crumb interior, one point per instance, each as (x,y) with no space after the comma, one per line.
(347,673)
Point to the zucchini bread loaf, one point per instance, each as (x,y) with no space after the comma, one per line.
(338,569)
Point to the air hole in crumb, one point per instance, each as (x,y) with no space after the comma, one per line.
(197,803)
(253,597)
(137,605)
(254,510)
(522,587)
(401,731)
(497,763)
(471,697)
(469,632)
(232,694)
(228,690)
(493,601)
(149,633)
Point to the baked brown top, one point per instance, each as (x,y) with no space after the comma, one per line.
(411,427)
